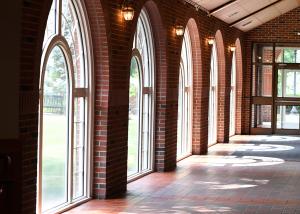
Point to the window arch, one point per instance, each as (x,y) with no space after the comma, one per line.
(213,97)
(65,109)
(233,96)
(184,121)
(141,100)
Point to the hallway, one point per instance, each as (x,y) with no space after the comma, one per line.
(252,174)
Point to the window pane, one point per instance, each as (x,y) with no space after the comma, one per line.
(133,123)
(55,131)
(51,23)
(287,54)
(261,116)
(180,118)
(288,117)
(263,53)
(262,80)
(213,98)
(288,84)
(78,155)
(72,32)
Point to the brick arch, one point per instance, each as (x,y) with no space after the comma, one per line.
(197,68)
(239,86)
(34,20)
(221,87)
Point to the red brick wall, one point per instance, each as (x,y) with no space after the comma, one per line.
(280,29)
(112,42)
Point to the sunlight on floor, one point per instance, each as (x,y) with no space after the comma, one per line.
(235,161)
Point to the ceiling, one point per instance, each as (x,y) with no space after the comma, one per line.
(246,14)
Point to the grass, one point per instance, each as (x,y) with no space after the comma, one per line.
(55,157)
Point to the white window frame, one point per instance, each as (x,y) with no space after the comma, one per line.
(87,92)
(147,68)
(213,98)
(232,122)
(184,145)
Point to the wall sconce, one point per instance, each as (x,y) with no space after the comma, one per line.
(179,29)
(127,11)
(211,40)
(232,48)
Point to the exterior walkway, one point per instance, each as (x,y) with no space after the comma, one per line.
(253,174)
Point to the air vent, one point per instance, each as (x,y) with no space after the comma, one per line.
(247,23)
(233,14)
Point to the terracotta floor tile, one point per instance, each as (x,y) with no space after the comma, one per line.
(252,174)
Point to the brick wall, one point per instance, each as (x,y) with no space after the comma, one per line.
(280,29)
(112,43)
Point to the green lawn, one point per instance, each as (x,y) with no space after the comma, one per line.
(55,156)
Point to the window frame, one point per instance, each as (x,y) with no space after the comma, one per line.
(232,123)
(87,92)
(149,89)
(213,88)
(186,78)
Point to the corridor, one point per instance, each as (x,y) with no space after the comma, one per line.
(252,174)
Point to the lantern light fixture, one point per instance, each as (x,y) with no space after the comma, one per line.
(127,11)
(179,29)
(232,48)
(211,40)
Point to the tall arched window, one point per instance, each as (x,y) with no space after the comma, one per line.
(184,122)
(233,97)
(213,97)
(64,109)
(141,100)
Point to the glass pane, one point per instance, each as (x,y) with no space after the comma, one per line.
(180,118)
(288,54)
(72,32)
(288,84)
(51,23)
(213,98)
(55,131)
(261,116)
(288,117)
(133,123)
(79,139)
(262,80)
(263,53)
(232,97)
(146,150)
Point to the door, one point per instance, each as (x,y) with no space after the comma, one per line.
(287,99)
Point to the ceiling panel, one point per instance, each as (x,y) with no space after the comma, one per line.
(210,4)
(248,9)
(231,13)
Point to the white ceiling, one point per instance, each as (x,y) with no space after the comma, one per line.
(239,9)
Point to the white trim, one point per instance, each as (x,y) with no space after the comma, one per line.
(185,126)
(87,93)
(147,84)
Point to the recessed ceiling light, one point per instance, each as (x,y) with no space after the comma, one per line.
(247,23)
(233,14)
(298,33)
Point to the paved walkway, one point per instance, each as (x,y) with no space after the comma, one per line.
(252,174)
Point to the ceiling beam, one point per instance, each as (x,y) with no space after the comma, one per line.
(255,12)
(221,7)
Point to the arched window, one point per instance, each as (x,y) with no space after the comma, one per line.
(184,122)
(64,109)
(141,100)
(213,97)
(233,97)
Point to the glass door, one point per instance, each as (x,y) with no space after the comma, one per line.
(275,88)
(287,101)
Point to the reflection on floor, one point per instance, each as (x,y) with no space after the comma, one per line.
(253,174)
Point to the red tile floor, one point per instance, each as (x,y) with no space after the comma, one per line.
(252,174)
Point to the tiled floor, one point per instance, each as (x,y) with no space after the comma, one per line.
(253,174)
